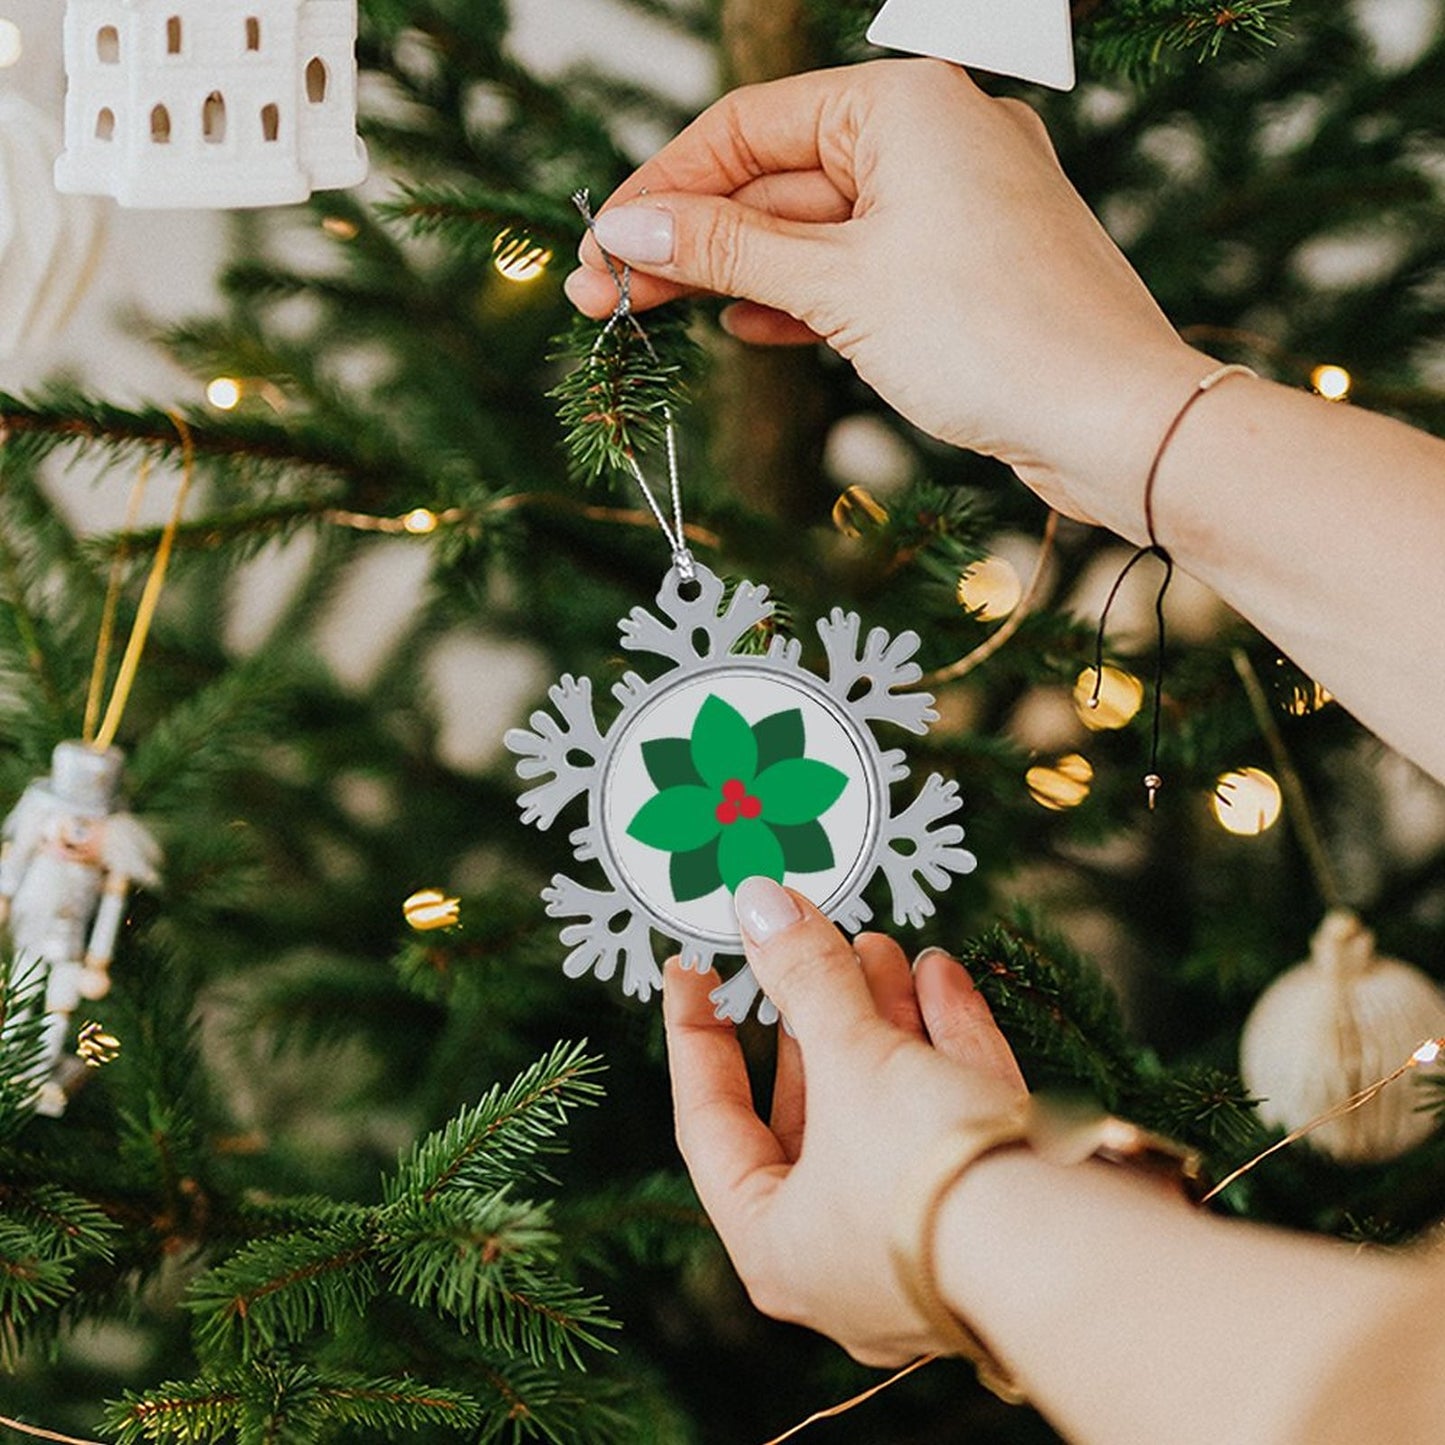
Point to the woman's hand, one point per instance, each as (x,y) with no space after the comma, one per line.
(804,1203)
(925,231)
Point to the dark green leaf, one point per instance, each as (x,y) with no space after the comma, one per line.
(779,736)
(669,763)
(805,846)
(696,874)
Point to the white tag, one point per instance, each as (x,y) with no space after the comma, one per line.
(1027,39)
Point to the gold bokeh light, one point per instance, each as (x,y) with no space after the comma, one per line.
(990,589)
(1247,802)
(1120,696)
(1062,784)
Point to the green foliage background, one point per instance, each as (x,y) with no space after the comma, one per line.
(218,1239)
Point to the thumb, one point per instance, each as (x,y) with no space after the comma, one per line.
(717,244)
(803,963)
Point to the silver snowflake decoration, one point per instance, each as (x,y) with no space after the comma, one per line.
(730,765)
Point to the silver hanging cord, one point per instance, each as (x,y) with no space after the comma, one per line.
(622,315)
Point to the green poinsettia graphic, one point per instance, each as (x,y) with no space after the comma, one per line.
(737,799)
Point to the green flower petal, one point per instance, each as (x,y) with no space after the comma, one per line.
(669,763)
(696,874)
(779,736)
(806,846)
(746,848)
(723,745)
(677,820)
(797,790)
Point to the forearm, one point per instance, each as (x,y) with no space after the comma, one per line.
(1132,1319)
(1324,525)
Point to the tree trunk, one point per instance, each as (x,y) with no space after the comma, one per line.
(772,407)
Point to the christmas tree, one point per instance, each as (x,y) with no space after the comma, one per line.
(356,1173)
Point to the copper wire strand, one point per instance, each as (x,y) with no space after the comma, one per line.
(1000,638)
(1338,1111)
(833,1411)
(150,599)
(106,637)
(36,1432)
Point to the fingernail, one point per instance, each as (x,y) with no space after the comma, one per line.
(929,953)
(765,908)
(643,234)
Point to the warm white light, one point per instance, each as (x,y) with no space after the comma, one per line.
(429,909)
(1060,785)
(1247,802)
(1120,696)
(1332,382)
(990,589)
(11,46)
(524,265)
(1310,697)
(1428,1052)
(341,228)
(420,522)
(224,393)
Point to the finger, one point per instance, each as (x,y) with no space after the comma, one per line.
(594,293)
(789,1101)
(803,963)
(805,196)
(808,196)
(762,326)
(718,245)
(958,1019)
(751,132)
(890,981)
(730,1153)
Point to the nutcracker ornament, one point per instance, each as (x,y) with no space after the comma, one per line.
(70,857)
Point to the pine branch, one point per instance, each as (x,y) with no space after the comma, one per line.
(38,426)
(1058,1012)
(615,401)
(485,224)
(282,1289)
(1137,37)
(22,1044)
(497,1142)
(274,1401)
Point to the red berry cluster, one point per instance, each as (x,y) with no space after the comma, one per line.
(737,803)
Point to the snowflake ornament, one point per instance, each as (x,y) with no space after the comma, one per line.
(727,766)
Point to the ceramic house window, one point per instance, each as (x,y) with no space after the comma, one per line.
(161,126)
(271,123)
(107,45)
(175,35)
(105,125)
(317,81)
(253,33)
(213,118)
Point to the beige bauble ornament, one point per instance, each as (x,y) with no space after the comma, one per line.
(48,243)
(1332,1026)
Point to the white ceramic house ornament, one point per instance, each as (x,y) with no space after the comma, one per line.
(1028,39)
(210,104)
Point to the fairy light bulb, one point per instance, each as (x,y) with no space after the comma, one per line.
(1060,785)
(1116,703)
(341,228)
(11,45)
(429,909)
(225,393)
(990,589)
(857,510)
(1333,383)
(1247,802)
(519,265)
(420,522)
